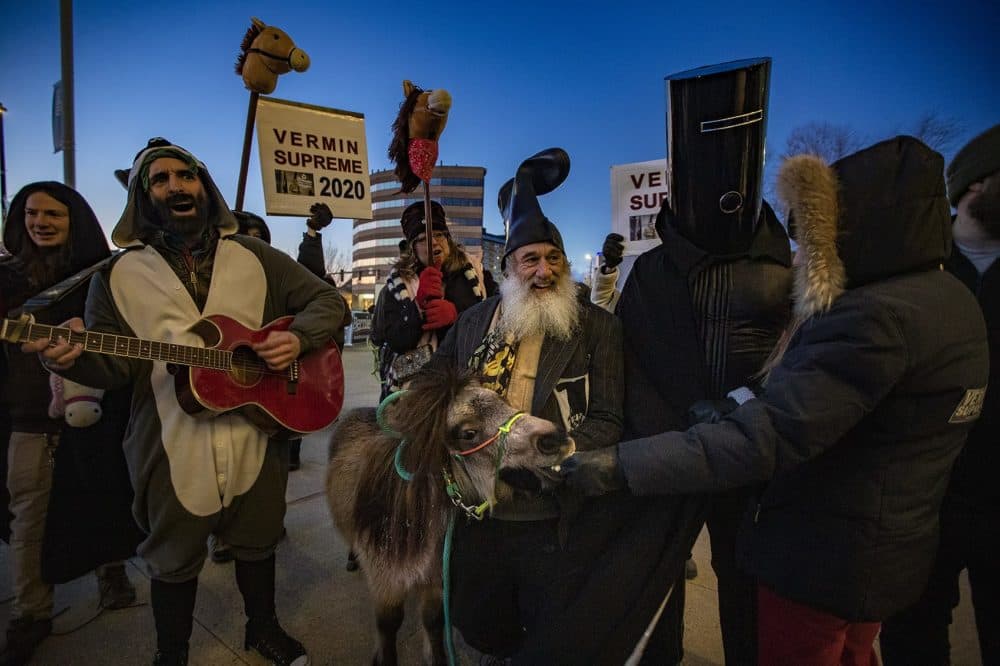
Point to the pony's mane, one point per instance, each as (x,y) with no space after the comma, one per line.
(252,33)
(399,148)
(395,516)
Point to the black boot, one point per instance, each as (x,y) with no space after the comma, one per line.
(23,636)
(294,457)
(173,613)
(263,633)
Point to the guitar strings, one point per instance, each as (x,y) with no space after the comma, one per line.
(244,364)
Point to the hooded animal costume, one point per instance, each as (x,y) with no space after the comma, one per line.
(196,475)
(871,400)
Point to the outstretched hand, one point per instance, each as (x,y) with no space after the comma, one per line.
(613,250)
(710,411)
(594,472)
(320,216)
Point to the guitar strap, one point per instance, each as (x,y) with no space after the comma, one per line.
(58,291)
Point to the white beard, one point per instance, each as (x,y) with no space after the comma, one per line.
(552,312)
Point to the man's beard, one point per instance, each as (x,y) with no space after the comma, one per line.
(183,225)
(985,207)
(553,312)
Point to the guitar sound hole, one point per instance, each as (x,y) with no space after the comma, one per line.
(247,366)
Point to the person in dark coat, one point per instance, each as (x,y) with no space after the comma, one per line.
(63,524)
(549,352)
(868,402)
(422,297)
(970,515)
(701,313)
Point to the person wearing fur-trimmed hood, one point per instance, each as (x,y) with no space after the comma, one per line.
(422,297)
(194,476)
(867,404)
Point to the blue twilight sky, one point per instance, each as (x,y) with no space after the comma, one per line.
(586,76)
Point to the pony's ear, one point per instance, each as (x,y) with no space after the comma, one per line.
(260,25)
(407,88)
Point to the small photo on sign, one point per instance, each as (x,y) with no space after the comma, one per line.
(294,182)
(642,227)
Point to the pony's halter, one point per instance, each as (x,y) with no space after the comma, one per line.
(273,56)
(476,512)
(502,432)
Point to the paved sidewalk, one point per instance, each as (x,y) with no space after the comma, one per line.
(319,602)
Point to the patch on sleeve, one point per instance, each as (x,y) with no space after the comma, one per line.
(970,408)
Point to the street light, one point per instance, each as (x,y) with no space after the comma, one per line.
(3,168)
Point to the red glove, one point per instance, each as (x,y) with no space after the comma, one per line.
(439,313)
(430,286)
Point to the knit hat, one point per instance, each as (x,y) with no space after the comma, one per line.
(412,220)
(518,201)
(975,161)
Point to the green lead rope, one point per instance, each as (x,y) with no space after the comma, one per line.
(449,643)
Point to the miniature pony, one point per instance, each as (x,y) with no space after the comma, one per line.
(422,117)
(392,496)
(266,53)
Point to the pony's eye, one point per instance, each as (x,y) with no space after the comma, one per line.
(276,38)
(469,434)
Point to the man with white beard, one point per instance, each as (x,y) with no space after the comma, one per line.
(542,345)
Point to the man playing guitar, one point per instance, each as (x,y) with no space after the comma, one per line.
(193,475)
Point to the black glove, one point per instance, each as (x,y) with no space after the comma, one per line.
(710,411)
(613,250)
(320,216)
(593,472)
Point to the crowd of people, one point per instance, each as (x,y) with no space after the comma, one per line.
(826,412)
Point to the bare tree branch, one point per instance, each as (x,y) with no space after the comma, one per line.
(336,261)
(829,141)
(937,131)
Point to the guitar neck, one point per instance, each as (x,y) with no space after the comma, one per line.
(119,345)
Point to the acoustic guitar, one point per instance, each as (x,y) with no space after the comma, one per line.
(225,374)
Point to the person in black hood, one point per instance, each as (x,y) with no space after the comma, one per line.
(51,234)
(970,515)
(868,401)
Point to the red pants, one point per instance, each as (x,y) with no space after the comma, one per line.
(797,635)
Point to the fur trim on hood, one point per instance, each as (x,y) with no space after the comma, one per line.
(808,188)
(875,214)
(135,221)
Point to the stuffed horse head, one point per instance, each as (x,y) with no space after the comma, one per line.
(266,53)
(422,117)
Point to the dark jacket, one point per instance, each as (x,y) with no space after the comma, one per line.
(666,364)
(973,479)
(89,520)
(871,402)
(397,323)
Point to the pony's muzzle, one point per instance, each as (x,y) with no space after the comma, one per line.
(299,60)
(555,444)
